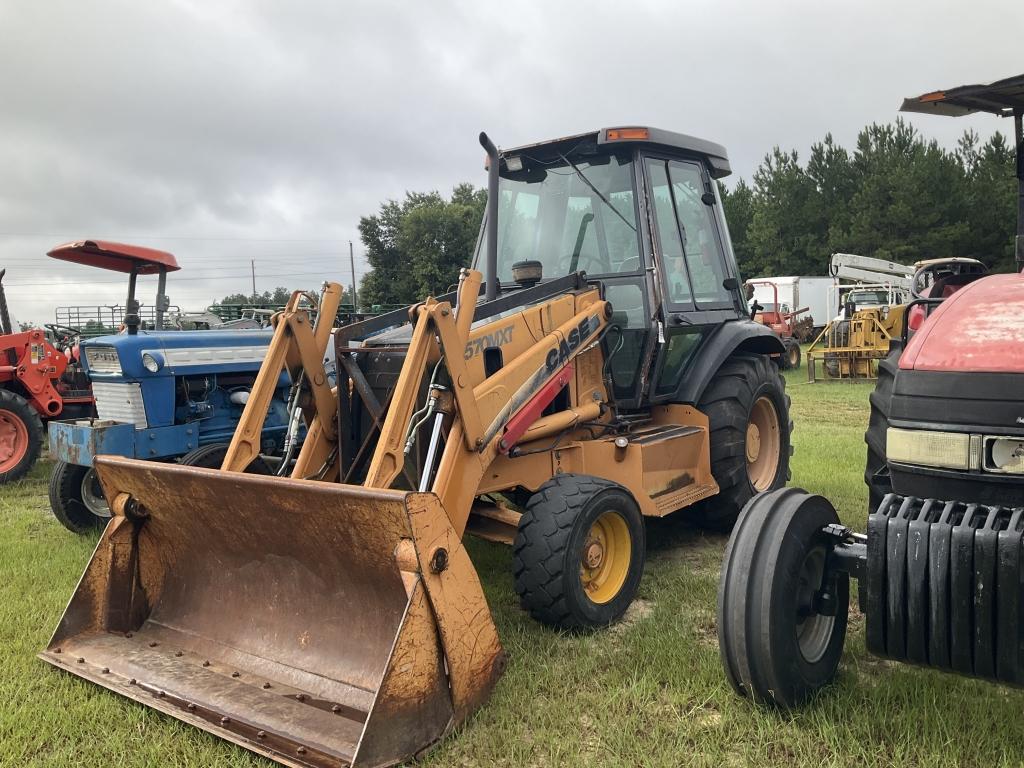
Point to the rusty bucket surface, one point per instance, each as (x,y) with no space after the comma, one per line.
(294,618)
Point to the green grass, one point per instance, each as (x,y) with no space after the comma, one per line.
(648,692)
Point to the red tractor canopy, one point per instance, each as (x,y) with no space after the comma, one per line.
(133,259)
(116,256)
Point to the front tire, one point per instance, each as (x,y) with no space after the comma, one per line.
(792,353)
(76,498)
(776,644)
(748,410)
(579,552)
(876,469)
(21,436)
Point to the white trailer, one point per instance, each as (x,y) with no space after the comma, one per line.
(816,293)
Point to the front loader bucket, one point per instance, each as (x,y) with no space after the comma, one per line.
(315,623)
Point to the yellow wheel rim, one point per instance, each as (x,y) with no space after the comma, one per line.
(604,562)
(764,444)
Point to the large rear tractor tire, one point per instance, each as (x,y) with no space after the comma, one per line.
(212,457)
(579,552)
(781,626)
(76,498)
(21,436)
(876,470)
(748,410)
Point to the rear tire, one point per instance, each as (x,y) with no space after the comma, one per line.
(748,410)
(876,470)
(579,552)
(212,457)
(21,436)
(76,498)
(774,645)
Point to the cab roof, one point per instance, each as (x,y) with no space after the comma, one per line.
(118,257)
(606,138)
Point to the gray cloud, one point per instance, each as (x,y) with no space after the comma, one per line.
(232,131)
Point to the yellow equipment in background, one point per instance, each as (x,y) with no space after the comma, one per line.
(851,349)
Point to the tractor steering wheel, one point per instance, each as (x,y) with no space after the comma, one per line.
(63,334)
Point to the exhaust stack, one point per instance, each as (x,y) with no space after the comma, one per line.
(491,270)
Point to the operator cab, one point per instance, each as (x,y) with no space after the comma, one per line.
(938,279)
(663,256)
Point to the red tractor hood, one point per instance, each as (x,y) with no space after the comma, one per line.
(978,328)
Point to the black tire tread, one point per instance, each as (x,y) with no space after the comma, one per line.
(881,402)
(540,545)
(65,492)
(746,600)
(726,402)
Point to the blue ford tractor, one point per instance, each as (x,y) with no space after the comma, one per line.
(161,396)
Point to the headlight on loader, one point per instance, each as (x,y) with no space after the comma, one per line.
(951,450)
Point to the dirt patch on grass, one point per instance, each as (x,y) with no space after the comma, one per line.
(638,610)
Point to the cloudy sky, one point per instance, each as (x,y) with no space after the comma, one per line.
(231,131)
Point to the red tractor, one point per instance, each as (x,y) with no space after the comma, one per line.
(781,319)
(42,379)
(941,567)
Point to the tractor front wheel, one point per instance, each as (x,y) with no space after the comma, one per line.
(876,469)
(579,552)
(76,498)
(748,410)
(21,436)
(792,353)
(781,617)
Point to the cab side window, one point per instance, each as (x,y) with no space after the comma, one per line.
(701,243)
(677,282)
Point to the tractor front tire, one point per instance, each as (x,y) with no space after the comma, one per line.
(876,470)
(778,641)
(748,410)
(21,436)
(76,498)
(579,552)
(792,353)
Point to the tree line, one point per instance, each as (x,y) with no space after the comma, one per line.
(894,195)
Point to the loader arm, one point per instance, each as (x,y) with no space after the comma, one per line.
(319,623)
(298,348)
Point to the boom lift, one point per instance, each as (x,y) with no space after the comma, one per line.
(333,617)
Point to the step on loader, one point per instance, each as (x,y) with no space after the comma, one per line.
(606,371)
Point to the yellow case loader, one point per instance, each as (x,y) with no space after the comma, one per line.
(329,615)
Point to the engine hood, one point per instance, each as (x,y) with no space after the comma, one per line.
(183,352)
(980,328)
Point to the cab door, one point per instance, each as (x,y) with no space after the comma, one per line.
(699,284)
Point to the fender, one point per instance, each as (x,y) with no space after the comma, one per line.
(721,343)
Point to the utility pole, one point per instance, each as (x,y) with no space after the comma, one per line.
(352,263)
(252,263)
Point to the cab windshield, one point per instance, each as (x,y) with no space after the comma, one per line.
(570,216)
(868,298)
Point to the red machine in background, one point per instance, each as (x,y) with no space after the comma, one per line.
(42,379)
(783,321)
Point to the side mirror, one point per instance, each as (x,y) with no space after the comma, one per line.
(731,283)
(707,198)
